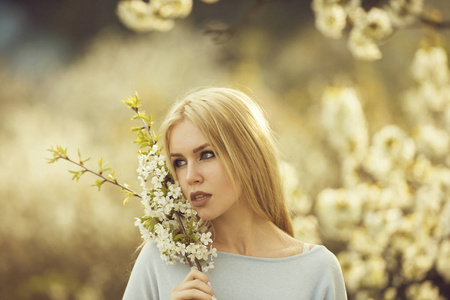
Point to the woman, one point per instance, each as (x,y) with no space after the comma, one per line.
(220,149)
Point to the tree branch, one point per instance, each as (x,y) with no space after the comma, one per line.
(434,23)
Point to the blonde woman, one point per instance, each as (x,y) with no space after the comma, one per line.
(219,146)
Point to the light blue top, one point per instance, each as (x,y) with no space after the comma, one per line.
(315,274)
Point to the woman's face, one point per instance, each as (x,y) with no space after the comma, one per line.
(202,179)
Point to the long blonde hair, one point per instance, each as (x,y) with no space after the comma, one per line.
(239,133)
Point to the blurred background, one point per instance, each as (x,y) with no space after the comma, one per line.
(65,66)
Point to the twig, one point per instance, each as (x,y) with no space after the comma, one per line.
(105,179)
(434,23)
(147,128)
(197,263)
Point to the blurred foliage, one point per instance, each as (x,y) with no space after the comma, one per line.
(65,241)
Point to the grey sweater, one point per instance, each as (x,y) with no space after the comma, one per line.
(315,274)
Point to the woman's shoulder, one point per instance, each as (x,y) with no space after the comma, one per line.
(151,254)
(150,260)
(148,253)
(151,277)
(324,255)
(321,260)
(314,257)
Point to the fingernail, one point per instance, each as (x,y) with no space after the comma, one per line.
(209,284)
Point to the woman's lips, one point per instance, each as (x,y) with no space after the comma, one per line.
(200,198)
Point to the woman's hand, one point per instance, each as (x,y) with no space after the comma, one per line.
(195,286)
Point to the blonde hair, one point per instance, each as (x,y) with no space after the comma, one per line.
(239,133)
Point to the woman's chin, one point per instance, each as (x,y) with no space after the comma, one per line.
(205,215)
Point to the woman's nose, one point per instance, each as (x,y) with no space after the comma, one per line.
(193,175)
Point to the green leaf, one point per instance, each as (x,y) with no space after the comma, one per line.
(112,176)
(98,183)
(193,238)
(75,176)
(133,129)
(150,224)
(125,201)
(179,237)
(51,160)
(133,102)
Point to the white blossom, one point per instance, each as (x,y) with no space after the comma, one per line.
(436,96)
(415,107)
(443,226)
(430,64)
(391,149)
(447,118)
(331,20)
(432,141)
(172,8)
(424,290)
(353,268)
(339,211)
(404,12)
(363,47)
(383,223)
(396,195)
(374,24)
(432,94)
(369,28)
(344,121)
(375,272)
(390,294)
(141,16)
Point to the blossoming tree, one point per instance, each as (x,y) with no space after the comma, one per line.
(392,213)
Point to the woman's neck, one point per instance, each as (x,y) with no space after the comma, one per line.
(242,231)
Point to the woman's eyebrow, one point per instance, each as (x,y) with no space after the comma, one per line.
(199,148)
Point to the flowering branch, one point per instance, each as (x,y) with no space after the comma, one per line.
(169,220)
(369,26)
(147,139)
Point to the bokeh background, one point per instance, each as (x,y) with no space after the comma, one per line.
(66,65)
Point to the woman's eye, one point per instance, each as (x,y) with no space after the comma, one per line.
(178,163)
(207,155)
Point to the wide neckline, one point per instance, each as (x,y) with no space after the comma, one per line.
(256,258)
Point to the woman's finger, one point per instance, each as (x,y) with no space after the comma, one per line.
(195,286)
(191,294)
(198,285)
(196,274)
(194,289)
